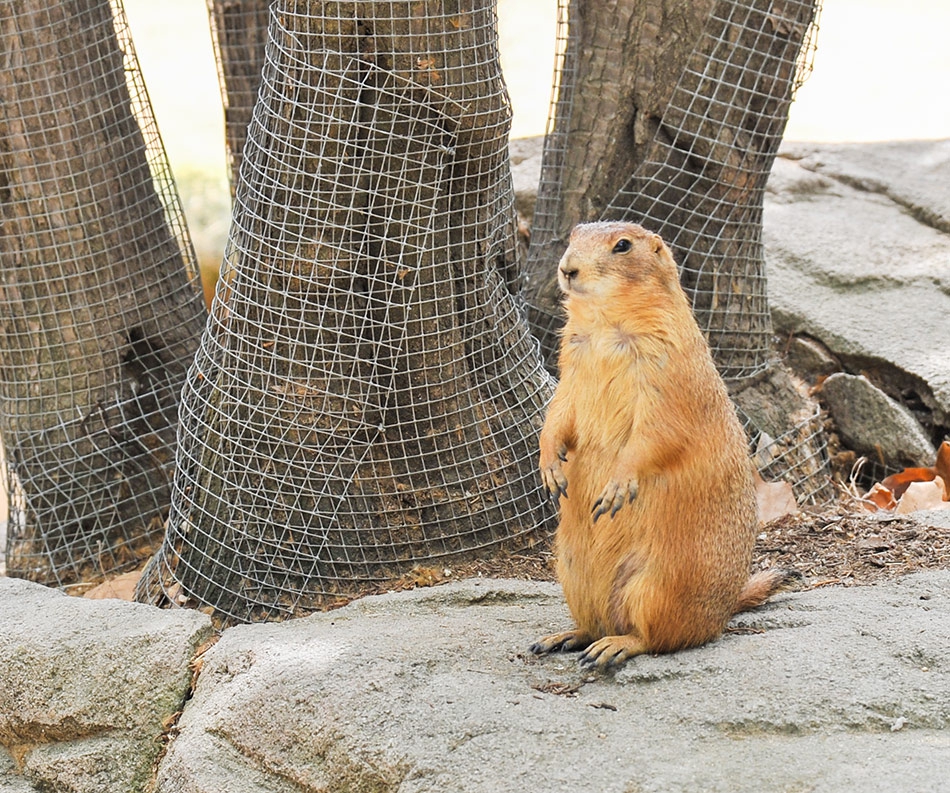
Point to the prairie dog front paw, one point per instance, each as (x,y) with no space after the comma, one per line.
(552,475)
(614,496)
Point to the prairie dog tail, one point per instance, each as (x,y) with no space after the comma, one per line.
(761,586)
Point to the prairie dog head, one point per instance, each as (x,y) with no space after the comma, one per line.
(604,257)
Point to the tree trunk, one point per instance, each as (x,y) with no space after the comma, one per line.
(611,93)
(239,33)
(370,397)
(101,310)
(675,126)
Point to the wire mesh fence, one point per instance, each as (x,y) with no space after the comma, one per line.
(782,458)
(367,395)
(101,308)
(239,35)
(704,156)
(728,111)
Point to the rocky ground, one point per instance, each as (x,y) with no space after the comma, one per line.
(432,689)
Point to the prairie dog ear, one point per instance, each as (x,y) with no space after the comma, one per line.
(656,243)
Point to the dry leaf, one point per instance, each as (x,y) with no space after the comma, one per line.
(121,587)
(942,466)
(923,495)
(898,483)
(774,499)
(879,497)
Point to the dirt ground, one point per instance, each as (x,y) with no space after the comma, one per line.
(834,545)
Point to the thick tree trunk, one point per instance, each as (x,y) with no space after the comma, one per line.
(100,316)
(370,396)
(239,34)
(612,91)
(675,125)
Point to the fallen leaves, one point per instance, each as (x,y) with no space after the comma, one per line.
(913,489)
(774,499)
(122,587)
(923,495)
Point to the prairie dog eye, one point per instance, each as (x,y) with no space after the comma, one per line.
(623,245)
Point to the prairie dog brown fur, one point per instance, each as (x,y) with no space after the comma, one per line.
(658,515)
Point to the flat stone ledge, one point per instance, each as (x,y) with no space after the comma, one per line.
(435,690)
(88,687)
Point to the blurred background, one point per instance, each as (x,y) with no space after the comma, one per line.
(881,73)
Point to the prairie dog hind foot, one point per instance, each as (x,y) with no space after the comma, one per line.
(566,641)
(611,651)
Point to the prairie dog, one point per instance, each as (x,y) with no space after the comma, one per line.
(644,448)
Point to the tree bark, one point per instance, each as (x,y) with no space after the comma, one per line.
(239,35)
(620,64)
(101,311)
(374,396)
(670,115)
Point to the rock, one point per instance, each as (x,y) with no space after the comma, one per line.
(857,245)
(872,424)
(810,358)
(433,690)
(10,782)
(87,688)
(938,518)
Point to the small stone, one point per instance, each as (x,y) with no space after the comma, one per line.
(874,543)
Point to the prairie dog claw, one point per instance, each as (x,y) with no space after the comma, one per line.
(566,641)
(553,476)
(554,480)
(611,651)
(613,497)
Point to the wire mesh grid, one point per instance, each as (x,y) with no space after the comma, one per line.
(782,458)
(101,308)
(728,111)
(367,395)
(702,180)
(545,319)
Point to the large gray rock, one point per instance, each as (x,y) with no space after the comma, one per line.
(857,242)
(873,424)
(433,690)
(87,687)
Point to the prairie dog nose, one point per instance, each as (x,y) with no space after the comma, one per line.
(567,270)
